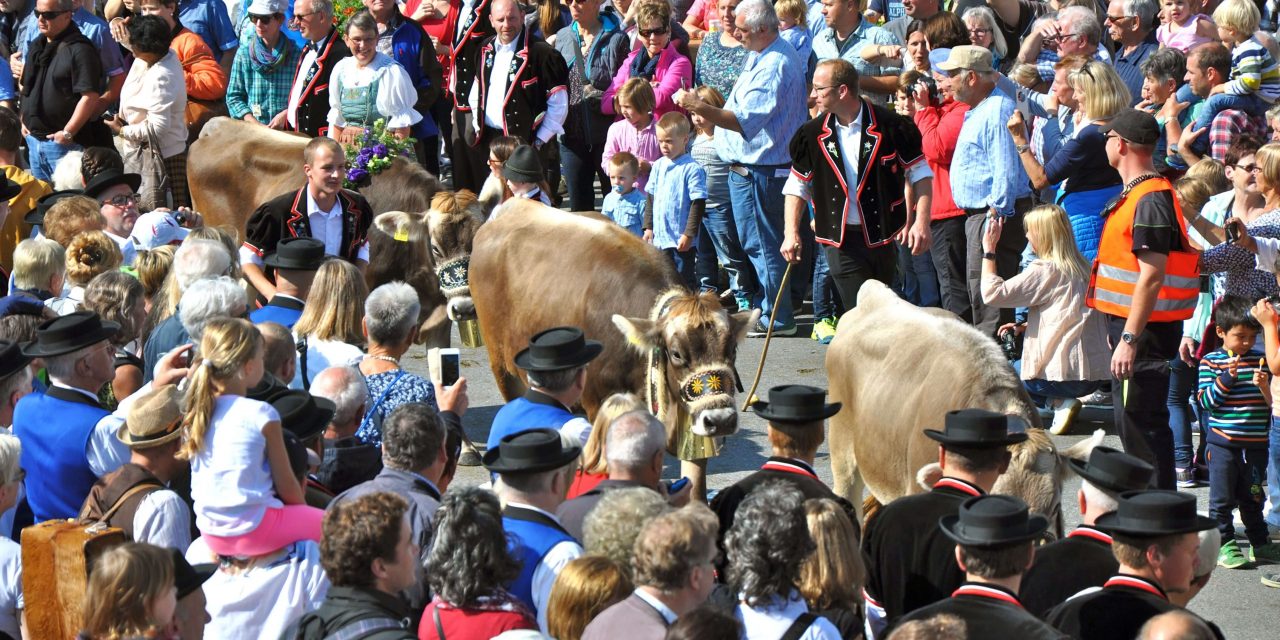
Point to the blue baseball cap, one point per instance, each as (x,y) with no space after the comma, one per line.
(937,56)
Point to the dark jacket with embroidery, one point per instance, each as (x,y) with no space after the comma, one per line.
(890,145)
(313,105)
(285,216)
(537,71)
(475,27)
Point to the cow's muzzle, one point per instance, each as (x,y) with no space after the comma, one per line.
(708,393)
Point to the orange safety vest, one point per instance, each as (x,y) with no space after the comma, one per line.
(1115,271)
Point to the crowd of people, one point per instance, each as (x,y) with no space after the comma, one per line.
(1090,184)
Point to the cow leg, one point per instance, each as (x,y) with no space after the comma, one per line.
(696,472)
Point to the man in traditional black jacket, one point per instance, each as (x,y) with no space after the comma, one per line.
(853,163)
(308,110)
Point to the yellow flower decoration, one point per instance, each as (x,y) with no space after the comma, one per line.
(714,382)
(696,385)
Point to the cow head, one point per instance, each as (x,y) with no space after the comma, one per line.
(454,217)
(693,342)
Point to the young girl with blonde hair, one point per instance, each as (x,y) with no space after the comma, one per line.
(247,500)
(131,594)
(1065,353)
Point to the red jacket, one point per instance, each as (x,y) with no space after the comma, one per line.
(939,130)
(471,624)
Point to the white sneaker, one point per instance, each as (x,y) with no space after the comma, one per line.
(1063,414)
(1097,398)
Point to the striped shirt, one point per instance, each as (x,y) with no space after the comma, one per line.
(1254,70)
(1238,412)
(769,102)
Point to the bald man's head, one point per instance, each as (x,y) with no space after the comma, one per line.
(507,18)
(1176,625)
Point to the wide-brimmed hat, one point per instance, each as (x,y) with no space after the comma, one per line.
(530,452)
(303,254)
(9,189)
(68,333)
(993,521)
(188,577)
(557,349)
(12,359)
(111,178)
(967,57)
(1154,513)
(523,165)
(797,403)
(155,418)
(979,428)
(303,414)
(35,217)
(1114,470)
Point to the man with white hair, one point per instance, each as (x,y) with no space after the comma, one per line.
(210,299)
(635,448)
(194,260)
(1131,24)
(765,108)
(348,460)
(1076,31)
(1083,559)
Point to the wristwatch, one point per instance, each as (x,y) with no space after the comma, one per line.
(1022,148)
(1128,338)
(988,256)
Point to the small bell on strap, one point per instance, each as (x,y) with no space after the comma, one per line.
(469,333)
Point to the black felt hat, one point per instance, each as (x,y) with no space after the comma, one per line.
(111,178)
(12,359)
(35,217)
(796,403)
(1114,470)
(304,254)
(557,349)
(523,165)
(303,414)
(993,521)
(530,452)
(978,428)
(1154,513)
(68,333)
(188,577)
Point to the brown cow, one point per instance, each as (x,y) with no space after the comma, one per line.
(534,267)
(899,369)
(235,166)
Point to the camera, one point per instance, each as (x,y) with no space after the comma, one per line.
(181,217)
(931,86)
(1009,344)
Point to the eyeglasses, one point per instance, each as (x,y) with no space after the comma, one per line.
(979,31)
(297,17)
(48,16)
(649,33)
(263,19)
(1251,168)
(826,88)
(122,201)
(1117,19)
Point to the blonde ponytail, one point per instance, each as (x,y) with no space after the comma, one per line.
(226,346)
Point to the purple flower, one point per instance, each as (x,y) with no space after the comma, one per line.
(365,153)
(380,150)
(356,175)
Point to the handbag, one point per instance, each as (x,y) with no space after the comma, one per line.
(156,189)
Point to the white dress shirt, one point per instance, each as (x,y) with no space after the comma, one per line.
(849,137)
(495,113)
(544,576)
(300,78)
(326,226)
(263,601)
(658,605)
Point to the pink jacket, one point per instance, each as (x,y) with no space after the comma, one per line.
(674,72)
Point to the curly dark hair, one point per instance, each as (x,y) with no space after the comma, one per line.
(470,556)
(356,532)
(150,35)
(768,542)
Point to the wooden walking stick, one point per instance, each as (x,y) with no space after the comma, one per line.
(782,288)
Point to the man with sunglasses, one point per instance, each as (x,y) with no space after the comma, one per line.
(308,110)
(62,83)
(1131,26)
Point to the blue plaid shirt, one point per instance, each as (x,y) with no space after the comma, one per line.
(985,170)
(769,102)
(1048,57)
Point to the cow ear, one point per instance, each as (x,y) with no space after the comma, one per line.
(741,322)
(642,333)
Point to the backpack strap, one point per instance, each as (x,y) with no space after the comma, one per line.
(435,617)
(139,488)
(301,346)
(364,628)
(799,626)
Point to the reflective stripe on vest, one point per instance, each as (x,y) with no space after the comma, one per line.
(1115,272)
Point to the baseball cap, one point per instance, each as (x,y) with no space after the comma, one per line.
(937,57)
(156,229)
(1138,127)
(265,7)
(967,57)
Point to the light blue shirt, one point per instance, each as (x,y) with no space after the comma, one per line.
(985,170)
(210,20)
(6,82)
(801,39)
(674,185)
(826,47)
(626,209)
(769,102)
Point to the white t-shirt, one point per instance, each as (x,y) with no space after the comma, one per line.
(263,601)
(322,354)
(773,619)
(10,586)
(231,482)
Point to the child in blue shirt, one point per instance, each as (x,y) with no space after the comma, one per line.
(625,204)
(678,186)
(792,26)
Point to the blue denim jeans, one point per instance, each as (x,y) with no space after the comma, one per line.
(826,302)
(917,279)
(44,156)
(1249,103)
(684,263)
(1042,391)
(757,212)
(1273,472)
(718,226)
(1182,384)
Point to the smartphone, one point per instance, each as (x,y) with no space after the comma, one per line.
(677,486)
(445,366)
(1233,231)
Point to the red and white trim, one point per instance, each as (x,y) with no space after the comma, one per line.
(789,467)
(983,591)
(1134,582)
(958,485)
(1091,534)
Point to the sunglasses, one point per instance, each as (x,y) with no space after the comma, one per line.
(48,16)
(264,19)
(122,201)
(649,33)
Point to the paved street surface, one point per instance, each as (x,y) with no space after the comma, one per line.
(1234,599)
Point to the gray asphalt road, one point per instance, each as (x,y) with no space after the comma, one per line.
(1234,599)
